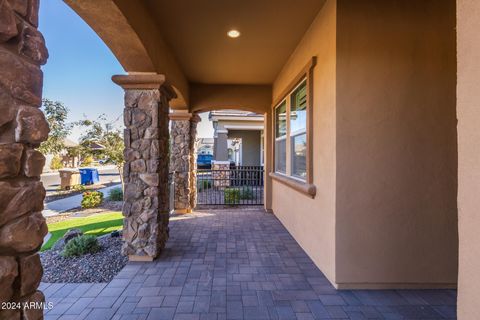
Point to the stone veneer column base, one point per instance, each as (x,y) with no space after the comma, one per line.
(193,160)
(146,205)
(180,160)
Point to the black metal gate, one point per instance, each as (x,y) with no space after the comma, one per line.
(242,185)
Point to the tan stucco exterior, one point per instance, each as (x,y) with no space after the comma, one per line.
(312,221)
(396,213)
(384,145)
(468,113)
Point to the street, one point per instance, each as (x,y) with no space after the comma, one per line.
(51,181)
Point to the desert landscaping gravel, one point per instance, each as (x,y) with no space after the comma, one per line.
(101,266)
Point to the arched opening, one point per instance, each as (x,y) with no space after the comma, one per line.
(232,173)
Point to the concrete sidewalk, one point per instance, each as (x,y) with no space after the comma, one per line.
(56,207)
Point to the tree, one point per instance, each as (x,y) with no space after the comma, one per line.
(56,114)
(101,132)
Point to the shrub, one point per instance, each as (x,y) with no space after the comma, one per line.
(204,184)
(81,245)
(79,187)
(56,163)
(115,194)
(92,199)
(247,194)
(232,196)
(87,161)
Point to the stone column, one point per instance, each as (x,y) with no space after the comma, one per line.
(193,160)
(180,159)
(146,207)
(22,128)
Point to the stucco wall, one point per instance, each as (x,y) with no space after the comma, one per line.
(312,221)
(396,144)
(250,145)
(468,112)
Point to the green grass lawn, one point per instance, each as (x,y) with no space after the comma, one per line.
(96,225)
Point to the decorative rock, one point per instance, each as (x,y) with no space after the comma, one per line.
(32,45)
(32,128)
(146,143)
(19,6)
(34,163)
(8,273)
(28,86)
(23,235)
(31,272)
(32,14)
(193,160)
(150,178)
(17,199)
(7,108)
(180,163)
(72,233)
(10,314)
(34,313)
(8,25)
(10,155)
(138,166)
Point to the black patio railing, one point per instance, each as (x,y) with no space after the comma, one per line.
(241,185)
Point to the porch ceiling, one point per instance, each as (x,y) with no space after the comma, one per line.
(196,33)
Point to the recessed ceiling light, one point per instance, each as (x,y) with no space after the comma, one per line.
(233,33)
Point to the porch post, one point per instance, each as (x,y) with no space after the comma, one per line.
(22,128)
(221,144)
(268,160)
(146,207)
(193,160)
(180,159)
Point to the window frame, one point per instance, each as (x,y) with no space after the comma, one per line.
(306,185)
(283,137)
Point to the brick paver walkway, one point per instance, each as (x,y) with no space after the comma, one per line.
(235,264)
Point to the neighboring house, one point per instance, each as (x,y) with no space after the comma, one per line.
(205,146)
(68,155)
(238,137)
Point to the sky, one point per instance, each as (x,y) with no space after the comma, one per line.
(79,69)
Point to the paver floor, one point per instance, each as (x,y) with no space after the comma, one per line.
(235,264)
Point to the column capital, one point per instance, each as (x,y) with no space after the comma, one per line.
(139,81)
(196,118)
(179,115)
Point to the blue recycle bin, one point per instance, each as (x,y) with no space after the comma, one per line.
(88,176)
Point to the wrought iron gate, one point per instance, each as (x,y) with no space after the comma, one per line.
(242,185)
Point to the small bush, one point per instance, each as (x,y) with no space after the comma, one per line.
(92,199)
(204,184)
(56,163)
(79,187)
(115,194)
(232,196)
(81,245)
(247,194)
(87,161)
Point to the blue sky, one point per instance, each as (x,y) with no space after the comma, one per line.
(78,72)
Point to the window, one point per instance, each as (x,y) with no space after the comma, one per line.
(298,131)
(291,126)
(281,137)
(292,115)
